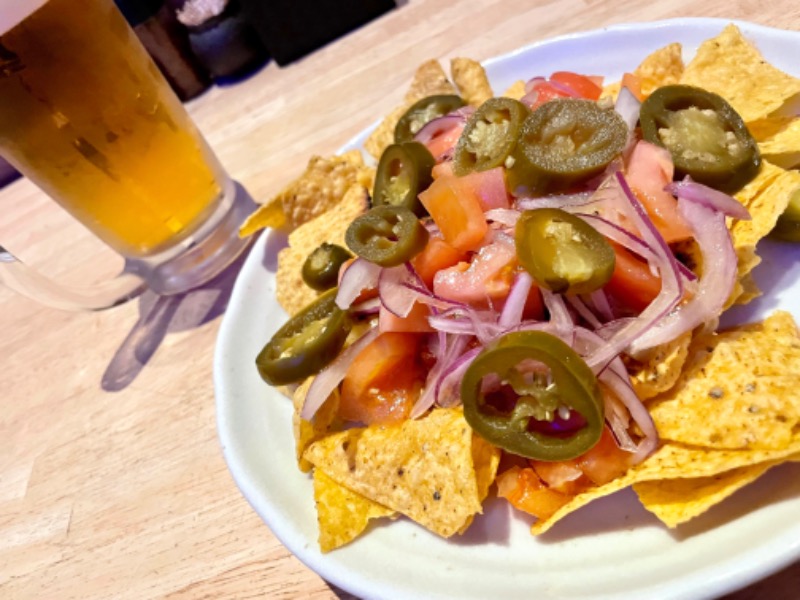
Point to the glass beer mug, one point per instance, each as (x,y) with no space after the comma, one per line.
(86,116)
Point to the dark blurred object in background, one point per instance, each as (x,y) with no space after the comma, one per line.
(221,38)
(291,29)
(168,44)
(7,172)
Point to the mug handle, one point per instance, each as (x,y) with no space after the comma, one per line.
(21,278)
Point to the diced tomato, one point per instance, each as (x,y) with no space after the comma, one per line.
(436,255)
(485,280)
(544,93)
(648,171)
(563,476)
(416,320)
(456,210)
(605,461)
(442,144)
(580,84)
(526,492)
(489,187)
(634,84)
(384,381)
(534,305)
(632,283)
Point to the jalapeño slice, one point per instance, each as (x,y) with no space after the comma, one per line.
(423,112)
(321,268)
(707,138)
(307,343)
(403,172)
(563,142)
(563,253)
(489,136)
(387,235)
(532,395)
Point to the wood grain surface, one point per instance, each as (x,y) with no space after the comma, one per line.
(112,483)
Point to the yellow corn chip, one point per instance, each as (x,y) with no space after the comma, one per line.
(342,514)
(763,129)
(611,90)
(429,80)
(662,368)
(662,67)
(307,432)
(319,188)
(516,91)
(675,501)
(739,389)
(422,468)
(672,461)
(783,147)
(471,81)
(733,68)
(291,291)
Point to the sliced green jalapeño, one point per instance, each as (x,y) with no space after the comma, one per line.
(403,172)
(564,142)
(532,395)
(307,343)
(707,138)
(387,235)
(563,253)
(423,112)
(320,270)
(489,136)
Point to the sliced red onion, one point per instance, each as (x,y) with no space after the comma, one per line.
(628,106)
(504,216)
(619,420)
(441,125)
(715,285)
(616,378)
(671,283)
(563,201)
(450,347)
(366,307)
(447,386)
(515,302)
(400,288)
(360,275)
(601,304)
(331,376)
(584,311)
(620,385)
(559,313)
(708,197)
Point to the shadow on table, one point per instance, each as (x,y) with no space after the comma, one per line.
(160,315)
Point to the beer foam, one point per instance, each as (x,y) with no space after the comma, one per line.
(13,12)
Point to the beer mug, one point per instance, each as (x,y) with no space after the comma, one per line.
(86,115)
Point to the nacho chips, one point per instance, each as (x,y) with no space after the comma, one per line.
(732,67)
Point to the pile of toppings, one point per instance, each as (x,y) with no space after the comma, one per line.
(528,291)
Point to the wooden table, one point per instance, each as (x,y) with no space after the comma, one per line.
(112,483)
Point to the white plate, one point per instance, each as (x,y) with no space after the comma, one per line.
(612,548)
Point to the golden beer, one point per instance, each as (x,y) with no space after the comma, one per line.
(85,114)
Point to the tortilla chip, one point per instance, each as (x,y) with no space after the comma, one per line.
(429,80)
(321,187)
(672,461)
(611,90)
(516,91)
(662,67)
(783,147)
(662,368)
(763,129)
(307,432)
(738,390)
(421,468)
(733,68)
(342,514)
(471,81)
(675,501)
(291,291)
